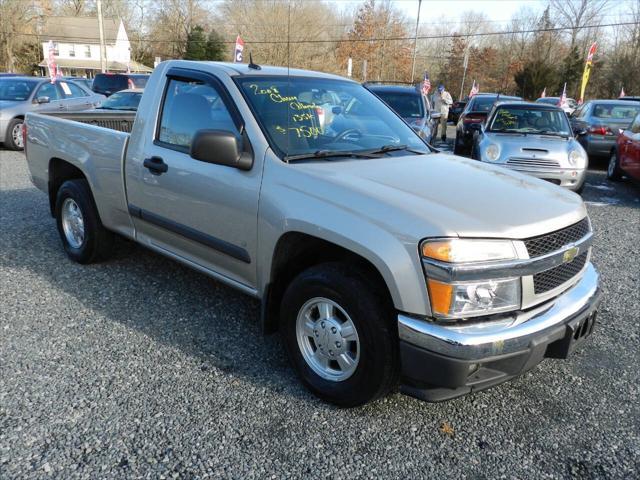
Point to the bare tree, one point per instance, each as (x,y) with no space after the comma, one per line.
(576,14)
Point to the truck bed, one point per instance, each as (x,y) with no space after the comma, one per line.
(113,120)
(85,141)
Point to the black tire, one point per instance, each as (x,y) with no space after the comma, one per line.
(457,149)
(473,151)
(98,241)
(8,140)
(614,173)
(378,368)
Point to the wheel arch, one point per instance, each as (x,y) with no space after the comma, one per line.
(295,252)
(59,172)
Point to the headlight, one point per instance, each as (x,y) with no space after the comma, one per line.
(455,300)
(492,152)
(575,157)
(459,300)
(458,250)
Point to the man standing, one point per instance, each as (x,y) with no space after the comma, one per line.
(441,103)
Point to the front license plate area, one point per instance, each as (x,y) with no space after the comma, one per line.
(577,331)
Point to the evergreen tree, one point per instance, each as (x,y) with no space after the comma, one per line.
(196,44)
(215,48)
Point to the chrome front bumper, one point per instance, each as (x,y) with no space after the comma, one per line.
(483,340)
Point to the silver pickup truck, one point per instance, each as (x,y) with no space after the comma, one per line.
(381,262)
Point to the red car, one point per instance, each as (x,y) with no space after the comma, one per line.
(625,155)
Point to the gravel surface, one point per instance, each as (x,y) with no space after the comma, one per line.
(142,368)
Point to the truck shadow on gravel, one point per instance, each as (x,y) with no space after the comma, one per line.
(156,296)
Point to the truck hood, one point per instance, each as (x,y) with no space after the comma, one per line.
(443,195)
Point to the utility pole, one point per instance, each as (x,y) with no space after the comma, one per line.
(103,53)
(465,64)
(415,43)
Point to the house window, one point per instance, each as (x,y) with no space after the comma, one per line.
(87,51)
(72,51)
(56,52)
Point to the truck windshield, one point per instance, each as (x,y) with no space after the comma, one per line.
(17,90)
(530,120)
(304,115)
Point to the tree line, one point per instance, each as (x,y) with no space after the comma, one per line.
(534,50)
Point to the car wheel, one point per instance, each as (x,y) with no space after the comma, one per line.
(13,139)
(340,335)
(84,238)
(613,169)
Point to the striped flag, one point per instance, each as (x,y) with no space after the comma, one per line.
(475,88)
(622,94)
(544,93)
(563,99)
(426,84)
(51,61)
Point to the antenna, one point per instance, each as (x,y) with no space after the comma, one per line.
(253,66)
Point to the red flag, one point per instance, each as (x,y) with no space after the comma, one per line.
(237,54)
(426,84)
(51,62)
(544,93)
(475,88)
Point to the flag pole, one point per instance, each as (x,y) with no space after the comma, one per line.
(415,42)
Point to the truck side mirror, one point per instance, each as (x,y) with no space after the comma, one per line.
(220,147)
(43,100)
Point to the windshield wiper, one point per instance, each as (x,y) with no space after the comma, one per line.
(394,148)
(507,130)
(330,154)
(553,134)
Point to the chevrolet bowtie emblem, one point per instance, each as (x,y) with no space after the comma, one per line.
(570,254)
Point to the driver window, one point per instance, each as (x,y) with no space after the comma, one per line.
(635,126)
(190,106)
(49,90)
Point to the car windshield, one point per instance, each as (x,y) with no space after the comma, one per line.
(484,103)
(108,81)
(615,111)
(16,90)
(122,101)
(307,116)
(407,105)
(529,120)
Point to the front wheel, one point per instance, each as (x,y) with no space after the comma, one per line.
(339,335)
(614,172)
(14,139)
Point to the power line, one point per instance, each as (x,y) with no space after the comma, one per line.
(358,40)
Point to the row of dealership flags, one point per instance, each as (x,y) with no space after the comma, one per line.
(425,86)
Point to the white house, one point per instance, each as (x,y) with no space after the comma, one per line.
(76,43)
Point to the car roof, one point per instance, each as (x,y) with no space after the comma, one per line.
(529,105)
(614,102)
(242,69)
(26,78)
(131,90)
(393,88)
(506,97)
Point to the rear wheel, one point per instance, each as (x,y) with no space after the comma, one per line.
(339,335)
(13,139)
(84,238)
(613,169)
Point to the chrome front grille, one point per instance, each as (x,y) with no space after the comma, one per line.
(525,162)
(550,242)
(554,277)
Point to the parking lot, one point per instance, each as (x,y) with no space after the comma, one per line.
(139,367)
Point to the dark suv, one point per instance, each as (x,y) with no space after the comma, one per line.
(409,103)
(474,115)
(109,83)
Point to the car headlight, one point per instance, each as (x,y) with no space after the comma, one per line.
(576,156)
(492,152)
(456,300)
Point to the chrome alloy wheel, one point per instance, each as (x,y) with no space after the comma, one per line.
(72,223)
(16,135)
(328,339)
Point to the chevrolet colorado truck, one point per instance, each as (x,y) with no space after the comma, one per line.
(381,262)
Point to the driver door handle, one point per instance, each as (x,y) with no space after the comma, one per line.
(155,165)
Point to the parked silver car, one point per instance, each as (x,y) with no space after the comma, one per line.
(19,95)
(533,138)
(597,123)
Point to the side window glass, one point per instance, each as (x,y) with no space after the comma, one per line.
(49,90)
(635,127)
(189,107)
(71,90)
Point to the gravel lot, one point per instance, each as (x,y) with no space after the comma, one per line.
(139,367)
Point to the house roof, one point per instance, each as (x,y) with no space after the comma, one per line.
(79,29)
